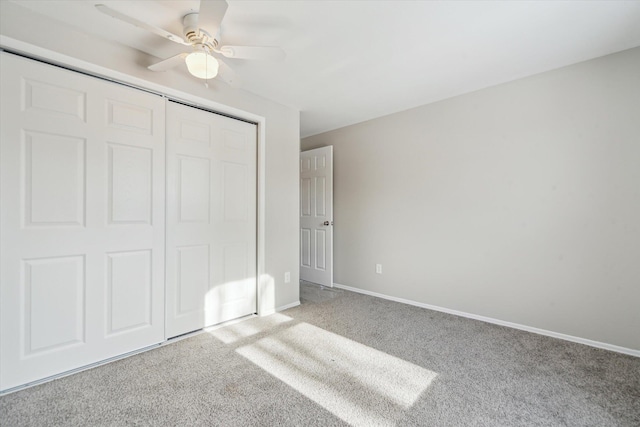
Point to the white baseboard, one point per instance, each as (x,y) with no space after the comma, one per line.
(277,309)
(284,307)
(526,328)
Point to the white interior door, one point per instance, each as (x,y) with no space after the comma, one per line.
(81,220)
(316,216)
(211,219)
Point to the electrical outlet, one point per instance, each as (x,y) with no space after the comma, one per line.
(379,268)
(287,277)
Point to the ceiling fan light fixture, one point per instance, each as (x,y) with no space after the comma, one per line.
(202,65)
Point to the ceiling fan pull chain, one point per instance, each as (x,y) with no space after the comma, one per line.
(206,67)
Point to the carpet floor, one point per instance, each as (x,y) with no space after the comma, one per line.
(342,358)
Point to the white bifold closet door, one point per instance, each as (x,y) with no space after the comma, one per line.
(82,220)
(211,219)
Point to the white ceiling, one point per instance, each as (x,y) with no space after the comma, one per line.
(350,61)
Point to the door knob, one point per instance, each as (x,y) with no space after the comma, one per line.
(325,223)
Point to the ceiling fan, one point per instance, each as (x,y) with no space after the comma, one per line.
(202,33)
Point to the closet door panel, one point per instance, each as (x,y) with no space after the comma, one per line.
(53,291)
(233,289)
(130,216)
(53,179)
(190,229)
(130,175)
(81,220)
(211,219)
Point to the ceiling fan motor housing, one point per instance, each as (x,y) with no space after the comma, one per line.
(195,34)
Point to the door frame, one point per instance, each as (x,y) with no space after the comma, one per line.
(37,53)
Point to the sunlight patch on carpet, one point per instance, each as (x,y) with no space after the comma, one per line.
(232,333)
(359,384)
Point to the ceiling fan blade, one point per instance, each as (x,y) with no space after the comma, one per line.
(227,75)
(159,31)
(168,63)
(211,14)
(253,52)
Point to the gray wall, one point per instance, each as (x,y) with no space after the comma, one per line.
(282,130)
(519,202)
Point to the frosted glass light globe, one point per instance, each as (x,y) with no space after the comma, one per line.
(202,65)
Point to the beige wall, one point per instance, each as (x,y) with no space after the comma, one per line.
(282,127)
(519,202)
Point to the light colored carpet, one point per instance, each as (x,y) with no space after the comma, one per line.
(343,358)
